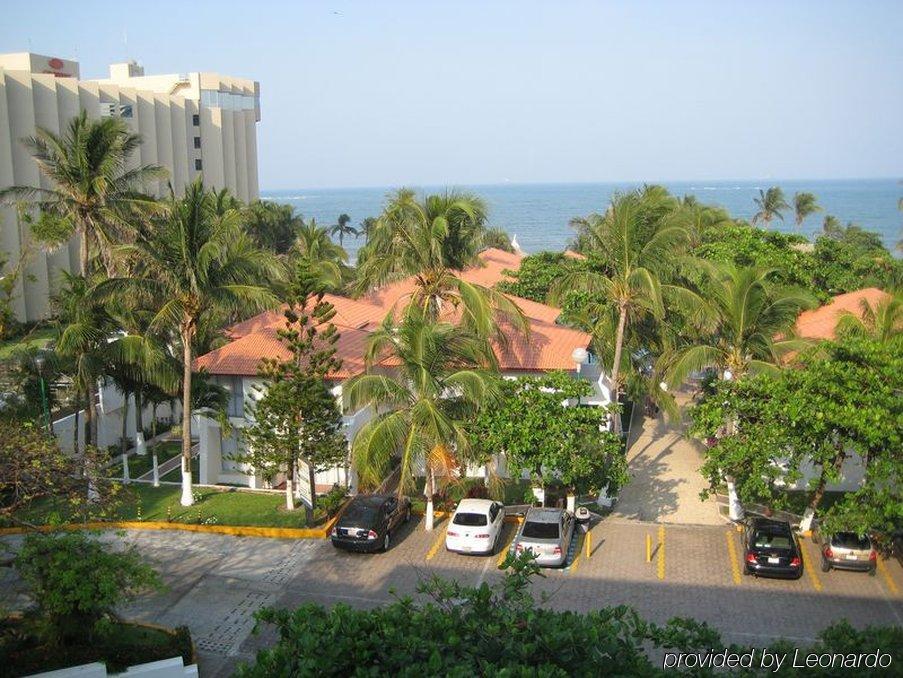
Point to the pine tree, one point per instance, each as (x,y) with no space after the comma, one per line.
(297,422)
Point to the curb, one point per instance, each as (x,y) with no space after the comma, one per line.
(233,530)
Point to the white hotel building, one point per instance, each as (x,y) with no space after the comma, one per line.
(192,124)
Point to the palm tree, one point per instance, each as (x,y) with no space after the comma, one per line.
(94,195)
(314,246)
(832,226)
(411,236)
(748,328)
(342,228)
(85,327)
(430,240)
(196,262)
(770,203)
(882,323)
(804,204)
(629,247)
(441,375)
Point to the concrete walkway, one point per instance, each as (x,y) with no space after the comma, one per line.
(664,476)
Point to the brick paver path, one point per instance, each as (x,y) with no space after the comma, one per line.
(664,476)
(215,583)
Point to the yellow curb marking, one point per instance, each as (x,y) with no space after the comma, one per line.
(579,551)
(807,564)
(507,548)
(732,553)
(436,544)
(891,584)
(234,530)
(661,552)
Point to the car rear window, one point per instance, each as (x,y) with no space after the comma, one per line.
(540,530)
(359,513)
(470,519)
(848,540)
(770,540)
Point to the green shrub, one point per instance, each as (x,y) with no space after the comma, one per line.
(76,581)
(332,500)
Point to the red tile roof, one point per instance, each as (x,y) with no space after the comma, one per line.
(821,323)
(548,346)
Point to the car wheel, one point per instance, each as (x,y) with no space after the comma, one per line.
(825,565)
(386,542)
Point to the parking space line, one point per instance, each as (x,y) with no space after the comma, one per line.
(732,553)
(661,551)
(507,548)
(436,544)
(808,566)
(573,566)
(885,573)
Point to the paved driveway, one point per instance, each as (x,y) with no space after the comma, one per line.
(217,582)
(664,476)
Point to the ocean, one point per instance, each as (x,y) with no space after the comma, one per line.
(538,214)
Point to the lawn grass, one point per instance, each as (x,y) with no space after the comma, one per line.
(175,474)
(145,502)
(39,337)
(141,464)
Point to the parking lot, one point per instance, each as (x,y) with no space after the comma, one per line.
(216,582)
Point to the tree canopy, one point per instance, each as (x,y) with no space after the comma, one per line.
(842,402)
(535,431)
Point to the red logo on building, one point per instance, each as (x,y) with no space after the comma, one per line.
(56,64)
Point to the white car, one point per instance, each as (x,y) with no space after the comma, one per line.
(476,526)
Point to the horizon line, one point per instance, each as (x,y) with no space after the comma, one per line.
(771,181)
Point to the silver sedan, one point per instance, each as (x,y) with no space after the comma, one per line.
(547,534)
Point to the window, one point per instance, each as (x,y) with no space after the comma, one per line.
(540,530)
(198,165)
(470,519)
(197,142)
(108,110)
(493,512)
(196,120)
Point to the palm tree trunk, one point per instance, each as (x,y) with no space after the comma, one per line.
(75,449)
(187,498)
(139,420)
(429,490)
(125,421)
(83,252)
(616,365)
(90,414)
(312,479)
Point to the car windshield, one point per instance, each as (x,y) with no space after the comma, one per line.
(848,540)
(771,540)
(540,530)
(359,513)
(470,519)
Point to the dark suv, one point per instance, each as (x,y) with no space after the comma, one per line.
(368,522)
(771,549)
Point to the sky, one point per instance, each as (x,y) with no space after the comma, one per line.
(432,93)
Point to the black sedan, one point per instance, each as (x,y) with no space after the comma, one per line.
(369,521)
(771,549)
